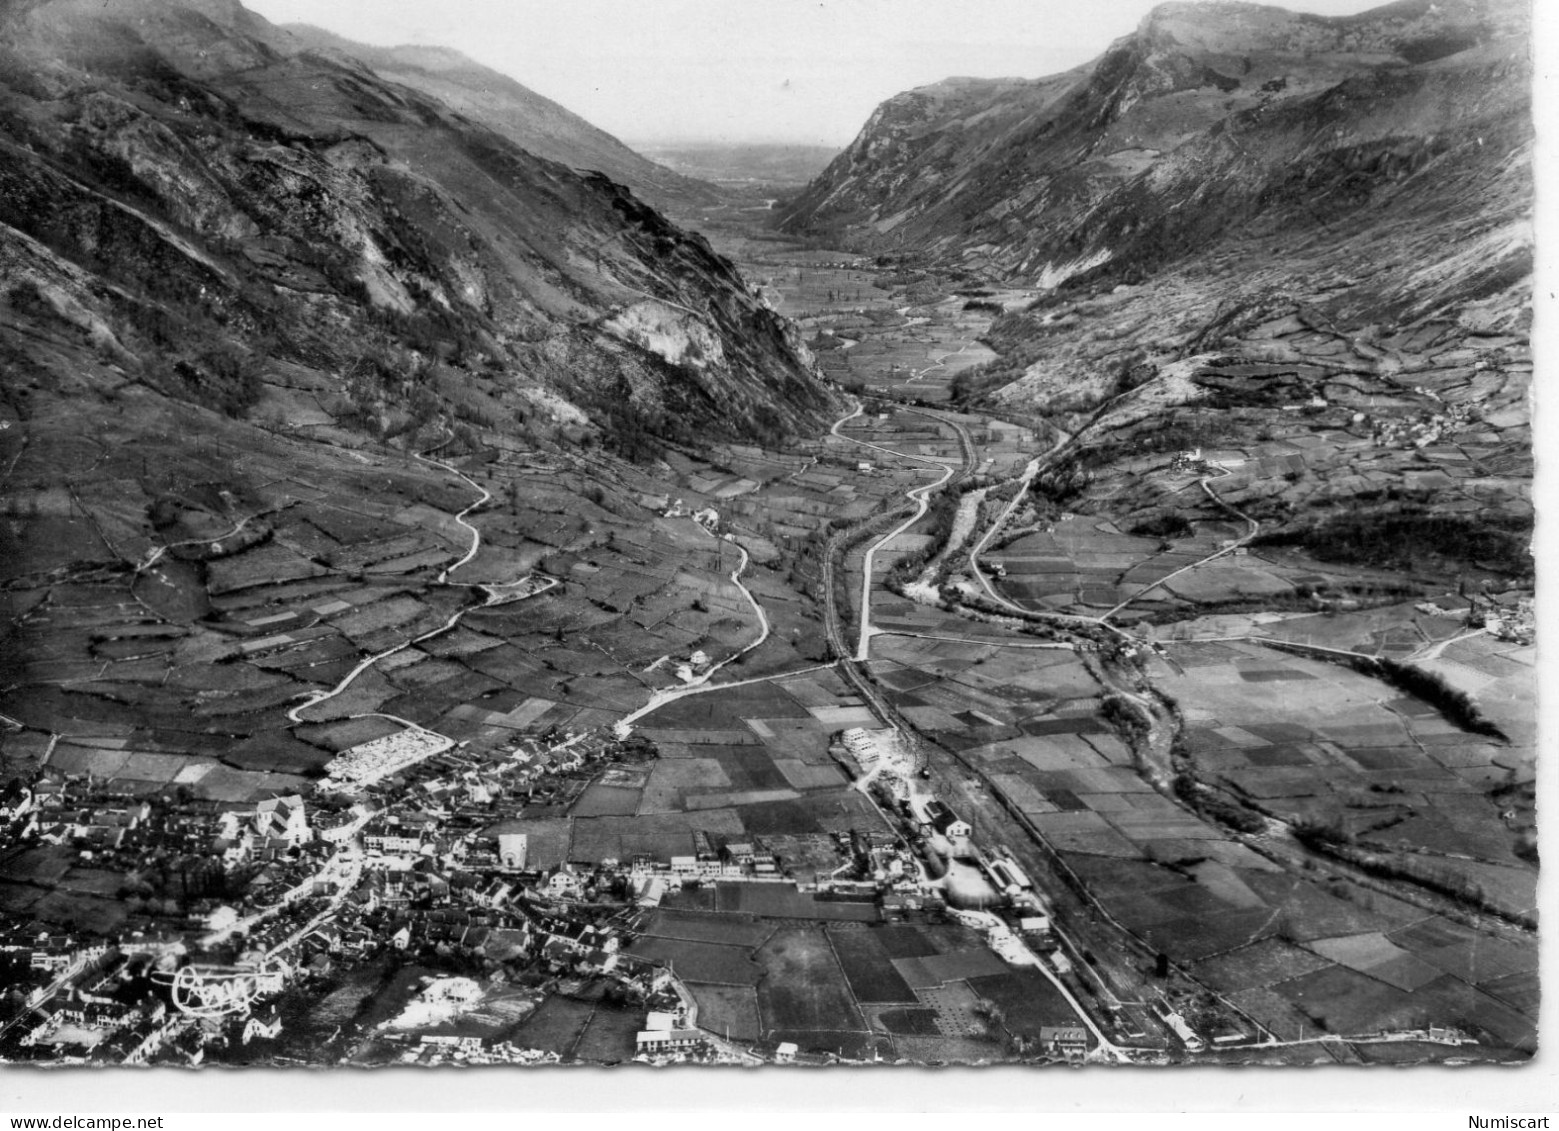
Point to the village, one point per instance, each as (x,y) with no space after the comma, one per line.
(402,852)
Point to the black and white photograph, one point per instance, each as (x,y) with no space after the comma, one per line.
(853,536)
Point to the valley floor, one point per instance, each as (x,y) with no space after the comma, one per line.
(893,746)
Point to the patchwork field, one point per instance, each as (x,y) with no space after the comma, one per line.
(1341,750)
(843,987)
(1307,739)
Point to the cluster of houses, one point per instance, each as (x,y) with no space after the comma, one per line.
(437,1048)
(294,919)
(938,817)
(1419,432)
(1514,622)
(105,1008)
(1192,462)
(276,826)
(882,757)
(90,816)
(707,517)
(464,788)
(423,855)
(79,1008)
(1510,616)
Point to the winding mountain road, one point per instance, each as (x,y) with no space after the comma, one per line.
(701,682)
(315,698)
(476,535)
(1254,529)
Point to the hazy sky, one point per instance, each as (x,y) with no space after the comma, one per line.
(742,70)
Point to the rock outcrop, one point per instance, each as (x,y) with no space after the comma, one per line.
(220,207)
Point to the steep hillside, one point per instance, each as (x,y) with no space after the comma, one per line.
(1236,218)
(532,122)
(217,212)
(285,344)
(1210,118)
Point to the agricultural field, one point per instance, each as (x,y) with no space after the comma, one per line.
(1089,565)
(864,328)
(1308,740)
(1300,737)
(1331,749)
(1016,712)
(734,764)
(175,672)
(1187,465)
(853,987)
(759,755)
(1321,849)
(559,1025)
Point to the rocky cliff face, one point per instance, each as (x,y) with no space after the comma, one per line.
(1210,120)
(229,218)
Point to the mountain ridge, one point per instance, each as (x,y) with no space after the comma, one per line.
(279,198)
(531,120)
(1014,176)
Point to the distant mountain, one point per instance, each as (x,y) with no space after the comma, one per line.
(526,118)
(1210,121)
(224,216)
(740,166)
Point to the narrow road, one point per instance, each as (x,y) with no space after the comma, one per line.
(843,420)
(936,362)
(624,725)
(698,683)
(852,668)
(315,698)
(486,497)
(921,496)
(1255,529)
(350,854)
(1105,1049)
(492,597)
(1052,645)
(763,618)
(949,768)
(156,555)
(1025,482)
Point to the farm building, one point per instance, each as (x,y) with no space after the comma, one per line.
(1065,1040)
(668,1040)
(940,817)
(1008,877)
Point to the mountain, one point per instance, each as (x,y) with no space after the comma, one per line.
(1211,120)
(532,122)
(227,219)
(1236,218)
(757,166)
